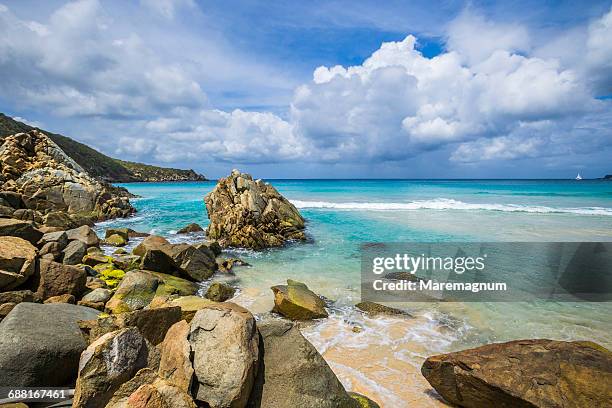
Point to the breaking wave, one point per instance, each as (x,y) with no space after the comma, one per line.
(450,204)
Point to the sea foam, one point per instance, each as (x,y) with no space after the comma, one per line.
(450,204)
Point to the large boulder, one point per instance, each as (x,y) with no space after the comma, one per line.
(293,374)
(296,302)
(40,344)
(524,373)
(107,363)
(21,229)
(50,181)
(57,279)
(17,262)
(225,347)
(251,214)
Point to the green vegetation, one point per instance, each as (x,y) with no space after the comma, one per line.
(99,165)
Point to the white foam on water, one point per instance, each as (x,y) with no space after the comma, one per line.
(450,204)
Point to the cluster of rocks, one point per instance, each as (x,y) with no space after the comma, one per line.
(52,188)
(251,213)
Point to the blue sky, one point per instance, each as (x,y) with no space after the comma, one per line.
(321,88)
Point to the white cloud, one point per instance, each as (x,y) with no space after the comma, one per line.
(167,8)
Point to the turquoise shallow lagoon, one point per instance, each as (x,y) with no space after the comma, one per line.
(342,214)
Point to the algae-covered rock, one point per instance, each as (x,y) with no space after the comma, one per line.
(115,240)
(364,402)
(123,232)
(135,291)
(220,292)
(95,258)
(295,301)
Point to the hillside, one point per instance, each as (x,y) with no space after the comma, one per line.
(100,165)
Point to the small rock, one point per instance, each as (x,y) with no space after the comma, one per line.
(58,219)
(193,227)
(115,240)
(220,292)
(74,252)
(123,232)
(295,301)
(120,251)
(94,305)
(226,265)
(375,309)
(107,363)
(5,309)
(98,295)
(65,298)
(53,250)
(189,305)
(96,258)
(84,234)
(18,296)
(59,237)
(160,394)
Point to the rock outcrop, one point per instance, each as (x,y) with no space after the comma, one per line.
(296,302)
(251,214)
(50,181)
(524,373)
(40,345)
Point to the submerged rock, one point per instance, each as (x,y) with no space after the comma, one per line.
(524,373)
(115,240)
(251,214)
(295,301)
(375,309)
(220,292)
(40,344)
(193,227)
(293,374)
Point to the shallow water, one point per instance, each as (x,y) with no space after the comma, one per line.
(383,359)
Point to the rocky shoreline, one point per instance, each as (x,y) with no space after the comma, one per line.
(128,329)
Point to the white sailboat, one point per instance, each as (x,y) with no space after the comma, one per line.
(578,177)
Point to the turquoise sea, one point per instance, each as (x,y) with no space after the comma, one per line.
(342,214)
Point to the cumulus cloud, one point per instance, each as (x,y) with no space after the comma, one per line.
(488,96)
(76,64)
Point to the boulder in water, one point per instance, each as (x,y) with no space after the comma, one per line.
(251,213)
(296,302)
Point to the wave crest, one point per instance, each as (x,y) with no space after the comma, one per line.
(450,204)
